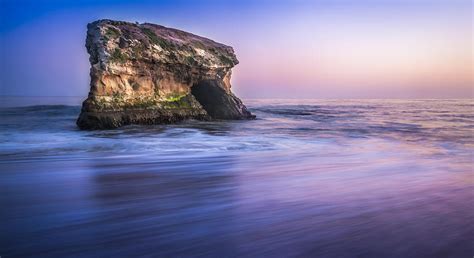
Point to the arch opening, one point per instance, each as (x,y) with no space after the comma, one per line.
(212,98)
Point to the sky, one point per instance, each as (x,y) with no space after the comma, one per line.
(286,49)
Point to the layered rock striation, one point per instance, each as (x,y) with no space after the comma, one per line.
(150,74)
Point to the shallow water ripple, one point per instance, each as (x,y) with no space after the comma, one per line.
(313,178)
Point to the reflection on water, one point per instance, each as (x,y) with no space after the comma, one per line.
(307,178)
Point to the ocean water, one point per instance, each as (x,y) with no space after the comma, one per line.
(307,178)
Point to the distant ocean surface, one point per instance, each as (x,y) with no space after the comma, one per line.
(307,178)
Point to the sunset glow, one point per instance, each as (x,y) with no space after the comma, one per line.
(307,49)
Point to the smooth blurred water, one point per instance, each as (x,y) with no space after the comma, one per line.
(308,178)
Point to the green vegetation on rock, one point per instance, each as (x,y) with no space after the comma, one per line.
(157,40)
(177,102)
(137,51)
(190,60)
(174,97)
(142,103)
(112,32)
(119,102)
(225,60)
(118,57)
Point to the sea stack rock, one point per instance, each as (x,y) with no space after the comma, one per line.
(150,74)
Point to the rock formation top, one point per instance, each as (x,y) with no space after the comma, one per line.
(147,74)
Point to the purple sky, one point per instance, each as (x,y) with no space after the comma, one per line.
(287,49)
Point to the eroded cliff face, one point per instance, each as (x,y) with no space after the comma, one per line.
(149,74)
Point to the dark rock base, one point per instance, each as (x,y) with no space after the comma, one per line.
(114,119)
